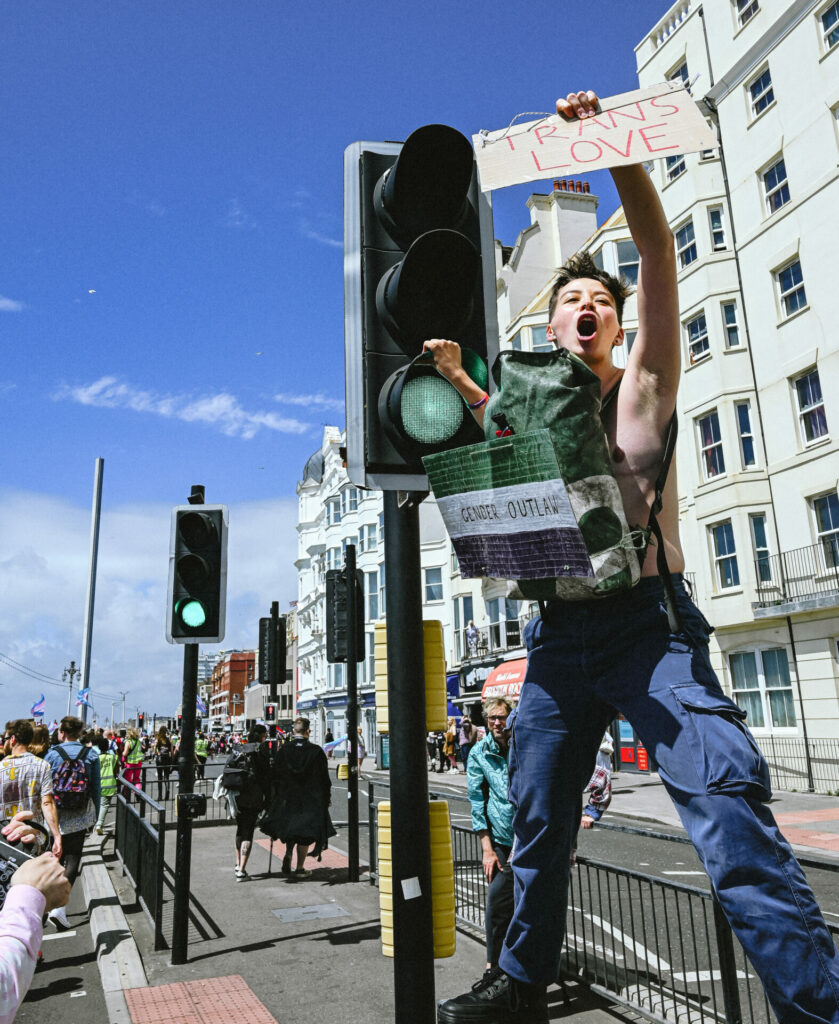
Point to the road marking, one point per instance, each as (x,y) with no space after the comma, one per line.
(627,940)
(683,872)
(75,995)
(704,976)
(830,913)
(58,935)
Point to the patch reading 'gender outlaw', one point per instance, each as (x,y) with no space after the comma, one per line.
(521,531)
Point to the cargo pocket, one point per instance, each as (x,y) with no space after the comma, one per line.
(726,757)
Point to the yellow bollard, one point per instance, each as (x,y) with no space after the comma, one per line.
(342,771)
(442,878)
(435,676)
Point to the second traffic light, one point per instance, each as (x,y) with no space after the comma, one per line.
(419,264)
(197,574)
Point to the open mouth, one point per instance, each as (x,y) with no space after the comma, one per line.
(586,325)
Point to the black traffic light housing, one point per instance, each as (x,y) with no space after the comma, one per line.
(270,714)
(197,574)
(140,720)
(180,721)
(419,264)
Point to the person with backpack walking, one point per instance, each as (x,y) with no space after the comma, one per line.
(108,767)
(163,760)
(247,775)
(76,791)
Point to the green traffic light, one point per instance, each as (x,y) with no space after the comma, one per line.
(431,409)
(192,613)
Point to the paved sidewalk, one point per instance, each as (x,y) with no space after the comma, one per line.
(288,949)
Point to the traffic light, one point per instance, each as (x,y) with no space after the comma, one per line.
(197,574)
(140,720)
(336,616)
(419,264)
(180,720)
(270,715)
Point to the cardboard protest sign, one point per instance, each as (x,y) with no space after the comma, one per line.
(634,127)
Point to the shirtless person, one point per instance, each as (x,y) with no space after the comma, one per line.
(590,658)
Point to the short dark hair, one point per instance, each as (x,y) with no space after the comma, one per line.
(71,726)
(22,730)
(300,726)
(582,265)
(256,733)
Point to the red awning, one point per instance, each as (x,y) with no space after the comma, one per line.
(505,680)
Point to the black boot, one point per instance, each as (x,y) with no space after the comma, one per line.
(496,999)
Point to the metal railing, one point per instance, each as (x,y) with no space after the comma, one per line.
(801,574)
(788,757)
(659,947)
(496,638)
(164,785)
(139,839)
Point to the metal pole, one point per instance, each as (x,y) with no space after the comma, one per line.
(352,714)
(91,579)
(186,773)
(413,927)
(123,707)
(728,966)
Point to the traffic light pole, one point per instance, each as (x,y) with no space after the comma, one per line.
(186,774)
(276,668)
(352,713)
(413,926)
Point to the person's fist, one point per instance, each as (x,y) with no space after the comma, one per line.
(45,874)
(20,829)
(577,104)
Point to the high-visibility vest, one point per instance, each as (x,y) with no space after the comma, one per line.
(107,774)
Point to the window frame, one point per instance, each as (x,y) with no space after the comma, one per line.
(763,691)
(831,536)
(762,552)
(719,230)
(700,338)
(728,326)
(828,47)
(720,557)
(682,250)
(745,435)
(807,411)
(784,296)
(633,264)
(674,167)
(429,598)
(716,446)
(780,188)
(745,10)
(757,106)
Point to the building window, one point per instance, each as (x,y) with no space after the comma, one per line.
(732,329)
(349,500)
(597,259)
(455,564)
(725,557)
(371,585)
(382,589)
(686,244)
(675,166)
(345,543)
(710,445)
(776,186)
(539,339)
(746,10)
(515,341)
(628,260)
(761,92)
(830,25)
(335,676)
(629,340)
(811,418)
(717,229)
(433,584)
(826,509)
(679,73)
(371,657)
(381,527)
(762,687)
(372,541)
(791,288)
(744,426)
(697,334)
(761,548)
(333,558)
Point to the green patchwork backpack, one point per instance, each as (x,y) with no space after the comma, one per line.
(539,504)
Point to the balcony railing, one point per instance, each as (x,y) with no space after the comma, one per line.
(803,574)
(496,638)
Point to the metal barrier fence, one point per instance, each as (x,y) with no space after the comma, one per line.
(139,842)
(788,758)
(164,785)
(661,948)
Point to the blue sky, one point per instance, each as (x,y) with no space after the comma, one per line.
(171,294)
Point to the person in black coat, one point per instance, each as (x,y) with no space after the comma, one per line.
(299,815)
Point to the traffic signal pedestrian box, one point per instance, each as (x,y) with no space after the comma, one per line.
(442,878)
(435,676)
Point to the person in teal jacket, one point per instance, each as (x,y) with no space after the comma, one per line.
(492,819)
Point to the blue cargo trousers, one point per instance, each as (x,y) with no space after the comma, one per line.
(586,659)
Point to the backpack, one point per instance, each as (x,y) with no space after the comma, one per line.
(70,782)
(240,768)
(539,503)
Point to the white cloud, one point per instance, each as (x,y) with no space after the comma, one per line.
(318,401)
(44,567)
(238,217)
(307,231)
(221,410)
(10,305)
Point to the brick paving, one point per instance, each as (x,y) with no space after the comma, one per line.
(227,1000)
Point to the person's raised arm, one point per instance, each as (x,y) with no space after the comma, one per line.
(653,365)
(448,363)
